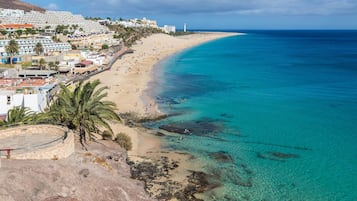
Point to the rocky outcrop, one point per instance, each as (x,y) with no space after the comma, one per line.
(156,175)
(15,4)
(99,174)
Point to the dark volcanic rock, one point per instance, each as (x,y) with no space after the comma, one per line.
(202,127)
(239,174)
(174,129)
(152,173)
(221,156)
(229,116)
(198,183)
(84,172)
(159,134)
(276,156)
(283,155)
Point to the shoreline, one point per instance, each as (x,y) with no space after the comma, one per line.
(129,87)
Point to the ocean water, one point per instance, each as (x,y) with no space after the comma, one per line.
(280,106)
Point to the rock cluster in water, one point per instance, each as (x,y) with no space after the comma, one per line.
(276,156)
(202,127)
(156,175)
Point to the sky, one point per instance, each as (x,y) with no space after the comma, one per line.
(220,14)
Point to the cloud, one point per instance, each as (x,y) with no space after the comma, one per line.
(52,6)
(243,7)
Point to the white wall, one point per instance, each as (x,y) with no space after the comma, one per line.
(36,102)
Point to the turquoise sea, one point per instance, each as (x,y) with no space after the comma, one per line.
(280,106)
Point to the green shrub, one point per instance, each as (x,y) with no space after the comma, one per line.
(106,135)
(124,141)
(105,47)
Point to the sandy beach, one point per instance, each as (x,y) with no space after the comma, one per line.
(128,81)
(129,77)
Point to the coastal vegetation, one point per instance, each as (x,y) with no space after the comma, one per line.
(130,35)
(105,47)
(19,115)
(107,135)
(181,33)
(42,63)
(124,141)
(83,109)
(38,48)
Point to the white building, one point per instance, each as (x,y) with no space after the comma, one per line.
(97,59)
(169,29)
(26,46)
(137,23)
(55,18)
(11,13)
(9,99)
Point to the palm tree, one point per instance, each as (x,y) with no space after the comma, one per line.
(18,33)
(38,48)
(83,109)
(12,49)
(19,114)
(3,32)
(52,65)
(42,63)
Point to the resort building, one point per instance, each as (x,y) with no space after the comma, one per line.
(53,19)
(97,59)
(27,46)
(11,28)
(137,23)
(84,67)
(11,13)
(169,29)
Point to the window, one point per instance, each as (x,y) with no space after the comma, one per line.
(8,100)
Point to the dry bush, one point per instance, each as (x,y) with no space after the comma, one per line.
(107,135)
(124,141)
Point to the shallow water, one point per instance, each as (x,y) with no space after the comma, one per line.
(286,106)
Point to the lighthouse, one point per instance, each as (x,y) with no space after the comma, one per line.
(184,27)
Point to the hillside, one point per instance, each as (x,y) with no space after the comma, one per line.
(15,4)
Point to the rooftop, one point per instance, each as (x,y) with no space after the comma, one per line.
(37,73)
(15,26)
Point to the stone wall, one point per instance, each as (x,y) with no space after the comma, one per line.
(56,150)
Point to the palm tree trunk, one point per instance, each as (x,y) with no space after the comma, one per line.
(10,61)
(82,137)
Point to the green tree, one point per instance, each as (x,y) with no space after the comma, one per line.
(52,65)
(3,32)
(60,29)
(18,33)
(12,49)
(83,109)
(30,31)
(19,115)
(38,48)
(105,47)
(42,63)
(74,47)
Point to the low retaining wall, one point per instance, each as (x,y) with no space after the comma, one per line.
(61,148)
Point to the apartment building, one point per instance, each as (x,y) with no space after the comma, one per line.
(27,46)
